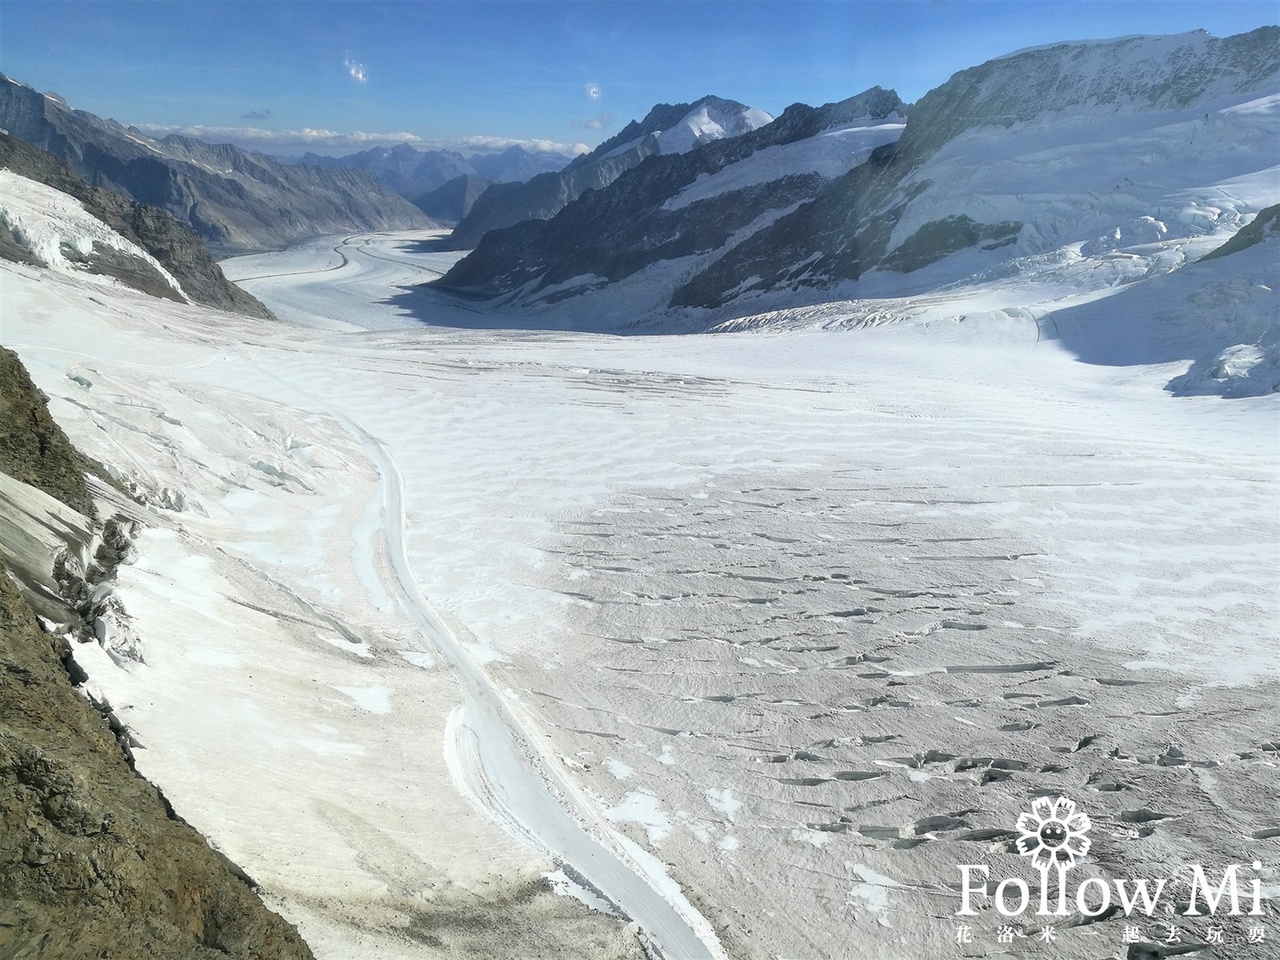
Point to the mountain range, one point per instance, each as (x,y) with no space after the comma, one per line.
(692,203)
(236,201)
(667,129)
(1021,167)
(412,173)
(143,247)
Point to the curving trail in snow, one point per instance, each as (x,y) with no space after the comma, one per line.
(497,761)
(516,781)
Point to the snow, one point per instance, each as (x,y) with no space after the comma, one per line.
(360,649)
(618,769)
(1169,176)
(871,888)
(644,809)
(374,699)
(1143,44)
(831,153)
(45,219)
(710,121)
(713,121)
(674,547)
(724,801)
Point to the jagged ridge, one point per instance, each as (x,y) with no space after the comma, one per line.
(543,196)
(235,201)
(612,233)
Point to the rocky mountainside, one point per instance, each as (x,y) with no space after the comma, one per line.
(1265,226)
(33,447)
(1024,164)
(677,206)
(454,200)
(411,172)
(169,240)
(916,205)
(234,200)
(93,860)
(666,129)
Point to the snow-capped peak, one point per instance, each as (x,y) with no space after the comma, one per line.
(710,119)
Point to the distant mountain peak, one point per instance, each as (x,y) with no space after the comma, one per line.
(684,124)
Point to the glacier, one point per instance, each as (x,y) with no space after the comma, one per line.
(494,635)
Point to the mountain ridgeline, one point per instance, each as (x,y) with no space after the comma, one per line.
(639,219)
(415,174)
(734,225)
(169,240)
(849,228)
(235,201)
(666,129)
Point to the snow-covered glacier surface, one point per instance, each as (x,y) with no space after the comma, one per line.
(787,624)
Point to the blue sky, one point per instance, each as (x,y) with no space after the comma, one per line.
(335,76)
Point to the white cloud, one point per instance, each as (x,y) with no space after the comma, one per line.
(601,121)
(355,69)
(334,142)
(533,146)
(309,135)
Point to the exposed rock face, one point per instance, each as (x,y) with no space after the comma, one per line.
(169,240)
(235,201)
(454,200)
(93,861)
(638,219)
(33,447)
(1265,226)
(667,129)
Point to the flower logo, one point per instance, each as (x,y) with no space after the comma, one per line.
(1053,832)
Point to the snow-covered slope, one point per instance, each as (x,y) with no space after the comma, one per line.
(710,119)
(666,130)
(829,153)
(1033,153)
(797,621)
(1024,155)
(1034,182)
(55,229)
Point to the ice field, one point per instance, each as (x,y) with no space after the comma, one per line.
(755,636)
